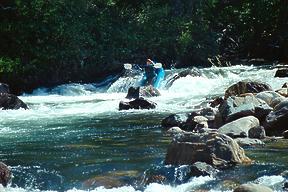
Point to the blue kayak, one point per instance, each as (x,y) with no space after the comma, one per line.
(159,78)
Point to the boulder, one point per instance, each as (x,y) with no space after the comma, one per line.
(257,133)
(277,121)
(246,142)
(194,72)
(4,88)
(139,103)
(10,101)
(239,127)
(213,148)
(188,121)
(281,72)
(283,92)
(236,107)
(269,97)
(243,87)
(145,91)
(175,120)
(5,174)
(252,188)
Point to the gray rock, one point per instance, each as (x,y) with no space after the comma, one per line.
(5,174)
(269,97)
(277,121)
(175,130)
(188,121)
(252,188)
(175,120)
(137,104)
(283,92)
(145,91)
(277,101)
(212,148)
(4,88)
(202,169)
(9,101)
(236,107)
(257,133)
(244,142)
(194,72)
(237,127)
(247,86)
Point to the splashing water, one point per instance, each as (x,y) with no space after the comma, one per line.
(73,138)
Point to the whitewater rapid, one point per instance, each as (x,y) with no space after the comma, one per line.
(83,101)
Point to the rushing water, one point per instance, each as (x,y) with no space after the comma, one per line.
(73,138)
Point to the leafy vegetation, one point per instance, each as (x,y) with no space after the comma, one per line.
(47,42)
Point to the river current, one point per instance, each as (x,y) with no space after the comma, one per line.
(73,138)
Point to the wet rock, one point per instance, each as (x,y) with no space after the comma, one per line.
(175,120)
(4,88)
(283,92)
(269,97)
(246,87)
(285,186)
(215,149)
(245,142)
(257,132)
(281,73)
(236,107)
(155,179)
(194,72)
(277,101)
(5,174)
(285,134)
(215,102)
(252,188)
(145,91)
(277,121)
(237,127)
(175,130)
(201,169)
(9,101)
(188,121)
(139,103)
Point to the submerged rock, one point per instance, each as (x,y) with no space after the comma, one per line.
(4,88)
(215,149)
(139,103)
(145,91)
(252,188)
(243,87)
(239,127)
(9,101)
(5,174)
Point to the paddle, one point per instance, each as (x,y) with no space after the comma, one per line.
(128,66)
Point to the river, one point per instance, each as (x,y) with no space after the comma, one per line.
(73,138)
